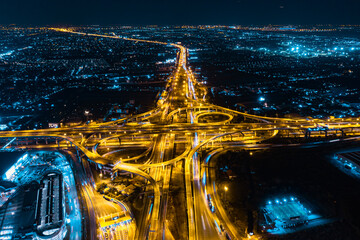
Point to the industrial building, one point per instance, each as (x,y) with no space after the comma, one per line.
(36,210)
(284,213)
(50,214)
(351,160)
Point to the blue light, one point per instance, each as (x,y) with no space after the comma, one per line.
(269,202)
(277,201)
(261,99)
(352,48)
(284,200)
(292,199)
(14,168)
(151,206)
(217,226)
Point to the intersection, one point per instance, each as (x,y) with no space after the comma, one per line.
(182,119)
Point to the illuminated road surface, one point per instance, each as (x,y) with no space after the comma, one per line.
(175,120)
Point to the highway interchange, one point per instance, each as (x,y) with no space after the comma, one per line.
(178,120)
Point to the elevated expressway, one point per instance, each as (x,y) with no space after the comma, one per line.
(178,120)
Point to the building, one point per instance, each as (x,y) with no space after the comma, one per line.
(50,213)
(351,160)
(284,213)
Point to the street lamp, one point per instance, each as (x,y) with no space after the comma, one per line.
(87,113)
(226,189)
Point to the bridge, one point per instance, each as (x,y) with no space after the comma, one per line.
(182,125)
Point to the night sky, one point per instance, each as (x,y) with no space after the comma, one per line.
(165,12)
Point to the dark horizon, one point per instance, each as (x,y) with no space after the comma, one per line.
(160,12)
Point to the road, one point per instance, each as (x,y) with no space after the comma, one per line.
(177,120)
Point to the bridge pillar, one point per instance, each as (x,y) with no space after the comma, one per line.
(77,151)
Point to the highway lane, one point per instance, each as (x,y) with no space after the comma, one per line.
(209,173)
(205,224)
(180,106)
(81,178)
(150,218)
(151,128)
(197,202)
(167,170)
(74,215)
(193,186)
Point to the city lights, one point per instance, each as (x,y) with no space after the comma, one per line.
(121,135)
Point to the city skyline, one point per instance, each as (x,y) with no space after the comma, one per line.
(192,132)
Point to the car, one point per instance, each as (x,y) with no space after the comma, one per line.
(222,227)
(210,203)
